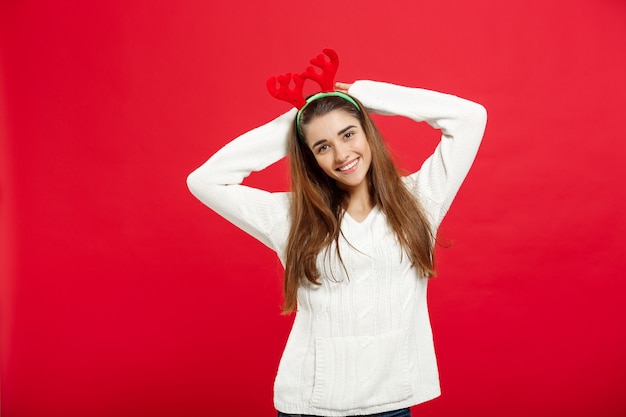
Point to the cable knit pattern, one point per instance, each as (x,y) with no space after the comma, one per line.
(361,343)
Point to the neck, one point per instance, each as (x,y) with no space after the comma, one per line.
(359,202)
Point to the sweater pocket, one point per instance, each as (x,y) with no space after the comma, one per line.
(361,371)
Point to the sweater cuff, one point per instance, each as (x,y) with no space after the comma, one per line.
(374,95)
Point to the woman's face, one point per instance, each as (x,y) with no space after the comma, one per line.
(340,148)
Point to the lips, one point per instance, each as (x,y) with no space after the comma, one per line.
(349,167)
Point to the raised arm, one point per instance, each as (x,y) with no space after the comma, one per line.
(217,183)
(461,121)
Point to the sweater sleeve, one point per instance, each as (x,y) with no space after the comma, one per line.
(462,123)
(217,182)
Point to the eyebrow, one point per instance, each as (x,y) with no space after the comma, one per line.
(344,130)
(341,132)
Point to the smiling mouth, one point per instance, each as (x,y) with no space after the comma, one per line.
(349,166)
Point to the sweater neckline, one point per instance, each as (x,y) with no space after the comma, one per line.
(367,218)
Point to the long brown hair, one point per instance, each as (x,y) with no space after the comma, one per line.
(317,203)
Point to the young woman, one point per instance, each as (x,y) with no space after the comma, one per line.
(355,238)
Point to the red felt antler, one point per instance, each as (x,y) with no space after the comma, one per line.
(295,96)
(326,79)
(290,95)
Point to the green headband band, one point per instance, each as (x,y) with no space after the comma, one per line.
(322,95)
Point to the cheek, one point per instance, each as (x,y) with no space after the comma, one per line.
(325,163)
(366,150)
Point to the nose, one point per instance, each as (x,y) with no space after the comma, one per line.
(341,153)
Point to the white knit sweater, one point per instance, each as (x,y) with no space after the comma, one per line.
(361,343)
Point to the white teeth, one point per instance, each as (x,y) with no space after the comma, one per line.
(350,165)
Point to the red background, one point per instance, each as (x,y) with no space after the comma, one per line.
(122,295)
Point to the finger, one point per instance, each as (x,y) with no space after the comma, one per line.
(342,86)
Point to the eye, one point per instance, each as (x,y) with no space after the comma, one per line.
(322,148)
(348,135)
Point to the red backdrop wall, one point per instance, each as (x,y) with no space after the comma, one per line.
(122,295)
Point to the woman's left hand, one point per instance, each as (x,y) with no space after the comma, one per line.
(342,87)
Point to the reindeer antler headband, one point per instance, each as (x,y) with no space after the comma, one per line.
(326,80)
